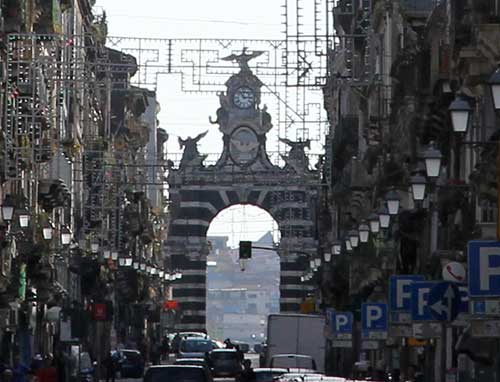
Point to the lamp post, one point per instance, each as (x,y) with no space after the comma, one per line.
(24,218)
(432,157)
(65,235)
(494,82)
(384,217)
(354,238)
(374,222)
(8,207)
(392,198)
(337,247)
(418,184)
(47,231)
(460,112)
(364,232)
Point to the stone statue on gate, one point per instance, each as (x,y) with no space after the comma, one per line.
(296,158)
(191,157)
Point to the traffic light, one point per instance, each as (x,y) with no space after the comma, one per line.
(245,249)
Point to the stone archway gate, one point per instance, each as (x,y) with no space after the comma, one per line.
(243,174)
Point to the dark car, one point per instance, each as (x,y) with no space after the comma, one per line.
(268,374)
(176,373)
(195,362)
(130,363)
(225,363)
(243,346)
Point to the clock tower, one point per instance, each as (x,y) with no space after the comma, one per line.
(242,120)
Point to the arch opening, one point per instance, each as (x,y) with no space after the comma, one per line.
(239,301)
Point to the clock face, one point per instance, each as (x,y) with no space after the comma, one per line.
(244,97)
(243,145)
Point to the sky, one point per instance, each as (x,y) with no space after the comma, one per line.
(186,114)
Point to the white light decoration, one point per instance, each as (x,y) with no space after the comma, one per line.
(128,261)
(432,157)
(143,266)
(153,270)
(167,276)
(302,279)
(94,246)
(354,238)
(312,264)
(392,198)
(114,255)
(8,208)
(348,245)
(364,232)
(160,274)
(106,254)
(327,255)
(317,262)
(135,265)
(418,184)
(47,232)
(65,235)
(121,262)
(494,83)
(148,269)
(384,218)
(336,248)
(178,275)
(374,222)
(460,113)
(24,219)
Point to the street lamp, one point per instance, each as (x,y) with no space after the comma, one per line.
(317,262)
(418,184)
(460,112)
(121,262)
(143,266)
(432,157)
(348,245)
(65,235)
(494,83)
(135,265)
(106,254)
(24,218)
(114,255)
(8,208)
(312,263)
(47,231)
(94,245)
(374,222)
(337,247)
(160,274)
(384,217)
(392,198)
(364,232)
(354,238)
(128,261)
(327,255)
(148,269)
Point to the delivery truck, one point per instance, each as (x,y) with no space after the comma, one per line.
(301,334)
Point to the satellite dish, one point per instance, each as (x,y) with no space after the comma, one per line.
(454,271)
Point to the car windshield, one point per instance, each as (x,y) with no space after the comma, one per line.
(174,374)
(195,362)
(131,356)
(196,346)
(223,355)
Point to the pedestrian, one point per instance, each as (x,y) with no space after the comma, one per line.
(48,372)
(239,354)
(165,348)
(228,343)
(110,367)
(248,375)
(19,371)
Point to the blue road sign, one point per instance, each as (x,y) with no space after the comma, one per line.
(444,301)
(400,291)
(374,317)
(484,268)
(419,301)
(342,322)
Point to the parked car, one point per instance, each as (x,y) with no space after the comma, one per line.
(130,363)
(225,363)
(195,362)
(176,373)
(268,374)
(195,347)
